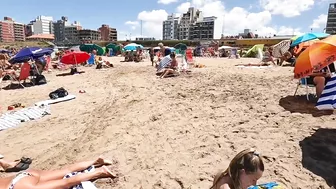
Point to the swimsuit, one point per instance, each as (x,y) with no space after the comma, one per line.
(18,177)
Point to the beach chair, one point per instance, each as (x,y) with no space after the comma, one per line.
(303,83)
(24,74)
(189,56)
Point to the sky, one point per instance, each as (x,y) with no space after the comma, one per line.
(264,17)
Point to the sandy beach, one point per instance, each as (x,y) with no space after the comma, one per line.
(177,133)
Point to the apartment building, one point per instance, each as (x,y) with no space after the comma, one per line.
(42,25)
(331,21)
(203,29)
(170,27)
(11,31)
(187,19)
(66,32)
(88,35)
(107,33)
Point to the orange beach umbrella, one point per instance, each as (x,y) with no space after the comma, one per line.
(317,56)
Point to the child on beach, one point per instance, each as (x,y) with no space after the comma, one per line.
(244,170)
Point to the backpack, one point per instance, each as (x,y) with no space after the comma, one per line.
(59,93)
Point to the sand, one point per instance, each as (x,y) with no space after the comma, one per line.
(178,132)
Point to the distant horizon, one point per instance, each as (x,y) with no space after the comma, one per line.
(268,17)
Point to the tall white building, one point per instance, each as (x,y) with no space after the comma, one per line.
(170,27)
(42,25)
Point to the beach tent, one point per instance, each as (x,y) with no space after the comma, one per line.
(90,47)
(253,52)
(113,49)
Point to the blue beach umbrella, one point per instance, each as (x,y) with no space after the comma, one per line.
(308,37)
(132,47)
(29,53)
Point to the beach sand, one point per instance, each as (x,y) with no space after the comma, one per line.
(178,132)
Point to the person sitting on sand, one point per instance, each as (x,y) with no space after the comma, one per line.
(168,65)
(287,56)
(38,179)
(103,64)
(268,57)
(244,170)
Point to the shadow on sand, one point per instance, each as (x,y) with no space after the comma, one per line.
(68,74)
(15,86)
(319,154)
(299,104)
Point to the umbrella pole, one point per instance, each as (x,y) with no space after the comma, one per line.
(76,64)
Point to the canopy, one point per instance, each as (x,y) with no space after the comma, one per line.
(181,46)
(224,47)
(90,47)
(253,52)
(113,46)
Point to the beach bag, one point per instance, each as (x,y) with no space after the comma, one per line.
(59,93)
(270,185)
(40,80)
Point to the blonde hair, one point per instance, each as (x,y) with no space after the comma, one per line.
(248,159)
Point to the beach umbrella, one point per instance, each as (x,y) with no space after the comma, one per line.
(90,47)
(308,37)
(132,47)
(29,53)
(75,57)
(280,48)
(181,46)
(317,56)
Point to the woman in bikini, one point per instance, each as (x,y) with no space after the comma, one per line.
(244,170)
(37,179)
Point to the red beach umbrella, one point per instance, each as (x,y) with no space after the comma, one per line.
(75,58)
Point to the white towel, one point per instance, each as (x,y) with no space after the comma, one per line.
(14,118)
(83,185)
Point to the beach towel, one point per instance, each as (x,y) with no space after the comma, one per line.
(14,118)
(48,102)
(271,185)
(83,185)
(327,101)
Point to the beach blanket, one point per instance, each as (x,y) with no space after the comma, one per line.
(83,185)
(14,118)
(62,99)
(327,101)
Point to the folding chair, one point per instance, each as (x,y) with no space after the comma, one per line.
(24,74)
(303,82)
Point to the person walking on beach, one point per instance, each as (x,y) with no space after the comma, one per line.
(244,170)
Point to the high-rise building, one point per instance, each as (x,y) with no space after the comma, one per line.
(66,32)
(11,31)
(192,16)
(107,33)
(203,30)
(170,27)
(331,21)
(42,25)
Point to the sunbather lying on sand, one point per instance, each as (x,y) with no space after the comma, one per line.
(37,179)
(244,170)
(261,64)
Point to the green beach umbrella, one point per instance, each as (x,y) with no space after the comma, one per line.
(181,46)
(90,47)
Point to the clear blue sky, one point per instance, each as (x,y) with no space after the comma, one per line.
(116,13)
